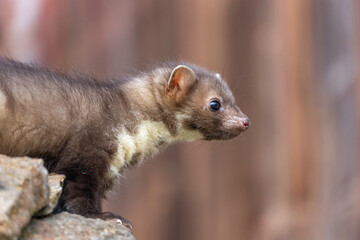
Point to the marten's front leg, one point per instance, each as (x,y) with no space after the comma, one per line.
(81,198)
(85,163)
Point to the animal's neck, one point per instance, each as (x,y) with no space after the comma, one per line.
(146,139)
(140,131)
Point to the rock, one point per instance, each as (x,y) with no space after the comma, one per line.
(71,226)
(56,182)
(23,192)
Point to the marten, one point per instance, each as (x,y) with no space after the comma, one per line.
(92,130)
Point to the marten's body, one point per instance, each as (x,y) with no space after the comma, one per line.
(92,130)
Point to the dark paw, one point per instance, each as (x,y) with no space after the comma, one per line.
(110,217)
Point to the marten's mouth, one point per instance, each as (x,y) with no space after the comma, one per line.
(216,134)
(220,135)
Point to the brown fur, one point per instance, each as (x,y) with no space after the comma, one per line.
(70,120)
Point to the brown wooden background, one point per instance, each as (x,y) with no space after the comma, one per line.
(294,68)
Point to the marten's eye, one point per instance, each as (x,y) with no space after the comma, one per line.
(214,105)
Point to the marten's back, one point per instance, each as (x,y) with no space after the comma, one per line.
(39,108)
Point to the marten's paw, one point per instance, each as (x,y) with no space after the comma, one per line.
(110,217)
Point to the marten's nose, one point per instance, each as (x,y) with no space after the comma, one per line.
(246,123)
(243,123)
(237,124)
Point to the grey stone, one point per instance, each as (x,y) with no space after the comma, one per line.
(72,226)
(56,182)
(23,191)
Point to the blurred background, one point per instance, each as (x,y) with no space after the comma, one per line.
(294,69)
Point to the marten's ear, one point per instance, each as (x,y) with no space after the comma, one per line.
(181,80)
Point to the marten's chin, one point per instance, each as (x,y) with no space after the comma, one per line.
(220,135)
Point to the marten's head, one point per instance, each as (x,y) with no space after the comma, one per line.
(205,103)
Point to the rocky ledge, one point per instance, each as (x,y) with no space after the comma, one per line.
(27,197)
